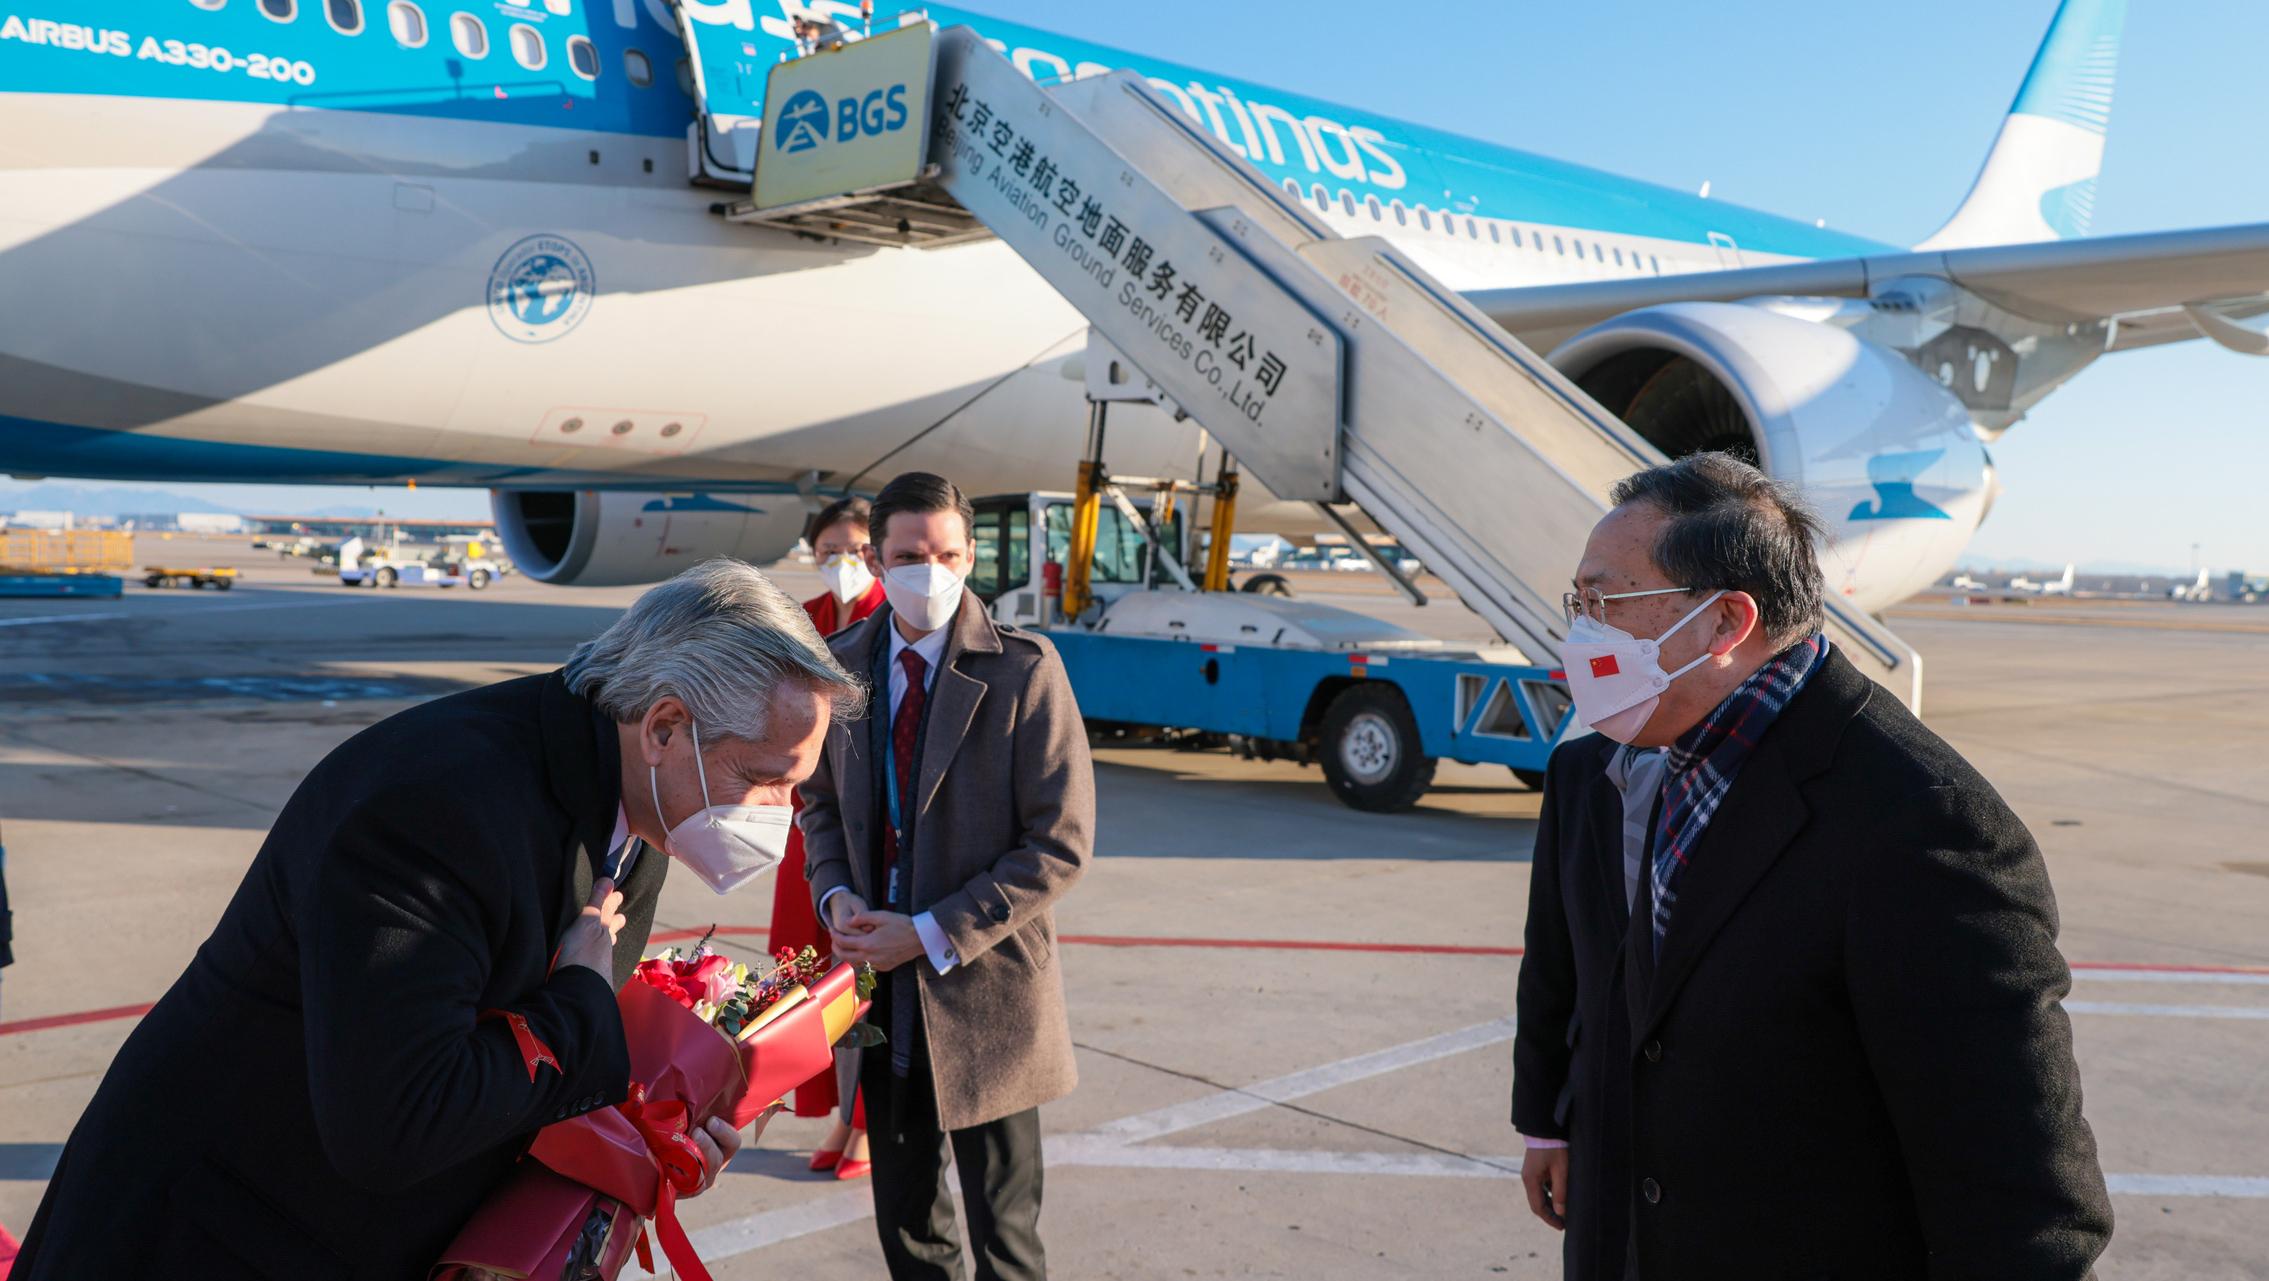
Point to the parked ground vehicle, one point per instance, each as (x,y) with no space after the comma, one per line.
(1374,704)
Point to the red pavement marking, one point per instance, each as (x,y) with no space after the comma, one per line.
(1127,940)
(83,1016)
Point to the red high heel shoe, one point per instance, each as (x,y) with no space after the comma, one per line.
(826,1159)
(853,1169)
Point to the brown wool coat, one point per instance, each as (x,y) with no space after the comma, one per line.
(1004,824)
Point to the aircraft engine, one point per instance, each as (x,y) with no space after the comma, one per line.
(601,538)
(1888,457)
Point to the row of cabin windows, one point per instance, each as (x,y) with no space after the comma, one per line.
(1498,233)
(468,33)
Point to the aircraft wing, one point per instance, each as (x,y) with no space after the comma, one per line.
(2157,287)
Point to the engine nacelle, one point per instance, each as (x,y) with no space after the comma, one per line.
(1888,457)
(602,538)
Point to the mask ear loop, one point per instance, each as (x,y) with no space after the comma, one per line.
(1698,658)
(706,807)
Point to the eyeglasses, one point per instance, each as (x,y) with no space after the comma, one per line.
(1591,603)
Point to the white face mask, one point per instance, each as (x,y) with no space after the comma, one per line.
(727,846)
(847,576)
(1617,679)
(925,595)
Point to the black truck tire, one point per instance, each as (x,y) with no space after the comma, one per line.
(1369,748)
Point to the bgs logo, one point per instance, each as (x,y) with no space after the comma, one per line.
(540,289)
(802,124)
(805,120)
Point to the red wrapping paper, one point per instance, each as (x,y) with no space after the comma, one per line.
(683,1072)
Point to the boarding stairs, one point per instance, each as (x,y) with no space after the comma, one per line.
(1333,368)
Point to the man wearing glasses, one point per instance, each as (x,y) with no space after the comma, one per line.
(1789,1002)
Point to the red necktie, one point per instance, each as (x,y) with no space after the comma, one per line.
(905,729)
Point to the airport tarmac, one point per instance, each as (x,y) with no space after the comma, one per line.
(1293,1019)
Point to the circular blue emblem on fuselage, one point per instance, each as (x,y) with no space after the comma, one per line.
(802,124)
(540,289)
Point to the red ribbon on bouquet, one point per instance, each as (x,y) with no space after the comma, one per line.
(667,1128)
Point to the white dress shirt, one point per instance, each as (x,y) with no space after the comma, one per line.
(620,856)
(932,650)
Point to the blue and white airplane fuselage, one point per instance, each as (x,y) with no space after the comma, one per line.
(358,241)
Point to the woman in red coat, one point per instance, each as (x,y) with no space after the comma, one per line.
(838,542)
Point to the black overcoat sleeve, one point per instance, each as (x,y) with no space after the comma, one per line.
(1956,984)
(394,934)
(1545,1000)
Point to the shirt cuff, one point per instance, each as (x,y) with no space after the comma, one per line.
(940,948)
(1543,1143)
(828,898)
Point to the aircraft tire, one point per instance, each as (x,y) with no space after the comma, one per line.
(1267,585)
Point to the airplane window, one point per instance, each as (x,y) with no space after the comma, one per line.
(345,15)
(1400,216)
(1514,234)
(407,21)
(1347,203)
(1597,254)
(470,36)
(1657,263)
(1559,248)
(637,68)
(685,76)
(1618,257)
(528,47)
(280,10)
(1372,203)
(1424,219)
(1323,197)
(1495,237)
(1473,228)
(1292,189)
(583,56)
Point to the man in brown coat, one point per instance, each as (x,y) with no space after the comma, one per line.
(940,831)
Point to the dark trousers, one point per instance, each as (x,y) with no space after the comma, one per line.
(998,1163)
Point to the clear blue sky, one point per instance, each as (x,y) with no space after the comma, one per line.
(1873,117)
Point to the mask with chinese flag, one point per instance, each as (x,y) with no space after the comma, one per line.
(1616,678)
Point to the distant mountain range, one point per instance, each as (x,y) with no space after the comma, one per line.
(140,500)
(118,500)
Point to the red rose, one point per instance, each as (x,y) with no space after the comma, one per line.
(662,977)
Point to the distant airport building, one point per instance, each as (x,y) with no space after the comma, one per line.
(43,520)
(369,527)
(209,523)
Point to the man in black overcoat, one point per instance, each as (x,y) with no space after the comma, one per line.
(1789,1005)
(377,1027)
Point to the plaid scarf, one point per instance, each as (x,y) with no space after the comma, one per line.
(1705,760)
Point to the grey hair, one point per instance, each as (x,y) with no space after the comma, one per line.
(1733,527)
(720,638)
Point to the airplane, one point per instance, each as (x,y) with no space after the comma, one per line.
(2201,590)
(2050,587)
(434,241)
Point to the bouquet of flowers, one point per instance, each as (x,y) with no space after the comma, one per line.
(709,1037)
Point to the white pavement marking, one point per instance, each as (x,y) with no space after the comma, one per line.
(740,1236)
(1072,1149)
(834,1210)
(1283,1089)
(1110,1146)
(60,618)
(2174,976)
(2167,1011)
(2219,1185)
